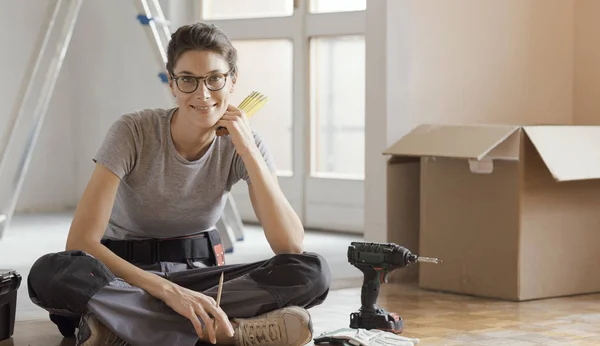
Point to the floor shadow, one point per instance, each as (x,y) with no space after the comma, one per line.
(63,342)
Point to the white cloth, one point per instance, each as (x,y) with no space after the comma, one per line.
(363,337)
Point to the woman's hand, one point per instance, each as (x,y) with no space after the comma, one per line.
(236,123)
(192,304)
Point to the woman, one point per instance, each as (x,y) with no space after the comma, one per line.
(140,260)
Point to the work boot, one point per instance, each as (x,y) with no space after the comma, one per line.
(66,325)
(291,326)
(94,333)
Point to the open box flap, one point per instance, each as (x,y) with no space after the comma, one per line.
(457,141)
(570,152)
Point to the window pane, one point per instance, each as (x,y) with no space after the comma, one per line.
(321,6)
(266,66)
(337,105)
(236,9)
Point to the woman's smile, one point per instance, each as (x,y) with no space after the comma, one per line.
(203,109)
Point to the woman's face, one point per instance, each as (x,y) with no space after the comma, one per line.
(198,103)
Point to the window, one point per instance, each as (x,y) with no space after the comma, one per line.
(338,102)
(308,57)
(266,66)
(238,9)
(325,6)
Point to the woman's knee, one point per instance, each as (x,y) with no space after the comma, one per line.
(66,280)
(320,274)
(307,270)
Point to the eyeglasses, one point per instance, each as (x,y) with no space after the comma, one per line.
(213,82)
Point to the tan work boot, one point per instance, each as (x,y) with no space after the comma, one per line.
(291,326)
(93,333)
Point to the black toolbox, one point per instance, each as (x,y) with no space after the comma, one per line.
(10,281)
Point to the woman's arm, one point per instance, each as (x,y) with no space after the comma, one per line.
(283,229)
(88,226)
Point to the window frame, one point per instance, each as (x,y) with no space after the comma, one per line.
(324,201)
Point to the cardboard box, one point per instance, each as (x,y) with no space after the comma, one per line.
(513,211)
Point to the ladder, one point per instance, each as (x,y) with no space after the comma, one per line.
(34,100)
(39,87)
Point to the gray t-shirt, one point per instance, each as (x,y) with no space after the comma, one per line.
(161,194)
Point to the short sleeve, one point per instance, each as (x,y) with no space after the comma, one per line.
(238,167)
(118,150)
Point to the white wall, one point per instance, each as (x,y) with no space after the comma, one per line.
(494,61)
(116,73)
(108,70)
(509,61)
(587,59)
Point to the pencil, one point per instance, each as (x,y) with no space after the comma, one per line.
(219,292)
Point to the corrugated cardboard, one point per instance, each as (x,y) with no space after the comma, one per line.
(513,211)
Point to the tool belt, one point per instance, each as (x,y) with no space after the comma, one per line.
(203,247)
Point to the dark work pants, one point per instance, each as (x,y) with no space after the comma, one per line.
(72,283)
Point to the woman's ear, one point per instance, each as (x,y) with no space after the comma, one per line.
(234,78)
(171,86)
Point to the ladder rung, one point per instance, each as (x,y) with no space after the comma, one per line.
(145,20)
(163,77)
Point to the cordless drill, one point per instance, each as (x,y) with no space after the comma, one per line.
(377,261)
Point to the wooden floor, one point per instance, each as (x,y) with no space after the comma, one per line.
(447,319)
(434,318)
